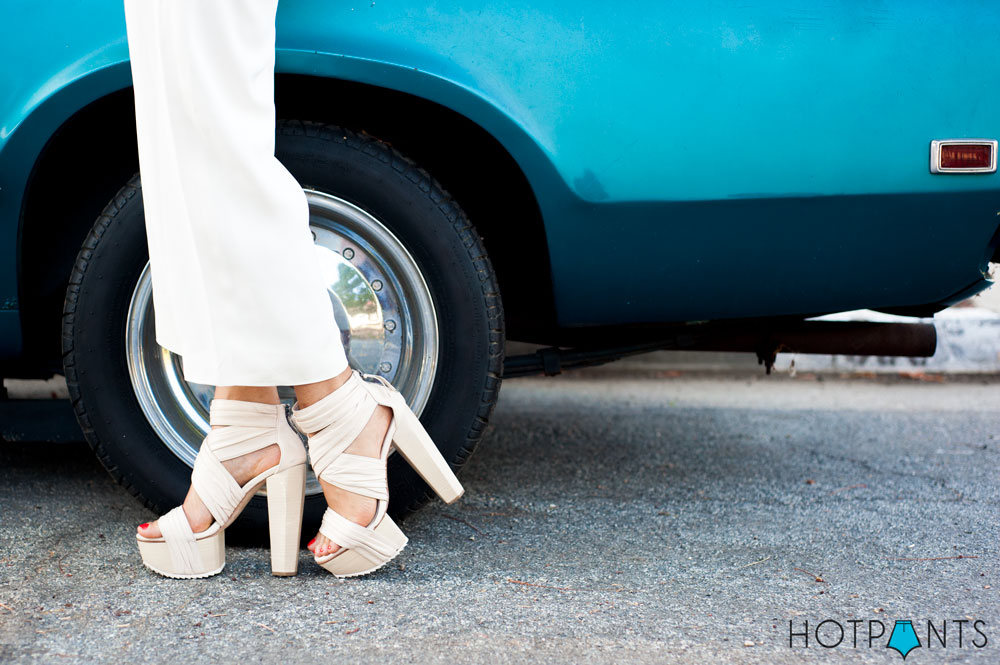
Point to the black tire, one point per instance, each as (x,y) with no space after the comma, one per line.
(373,176)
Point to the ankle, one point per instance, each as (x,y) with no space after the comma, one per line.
(308,394)
(262,394)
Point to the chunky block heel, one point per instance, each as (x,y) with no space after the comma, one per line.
(416,446)
(286,493)
(336,421)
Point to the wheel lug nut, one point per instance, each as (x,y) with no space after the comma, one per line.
(348,253)
(390,325)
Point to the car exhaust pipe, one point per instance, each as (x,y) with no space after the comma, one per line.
(766,340)
(850,338)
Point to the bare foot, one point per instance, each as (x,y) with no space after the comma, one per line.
(355,507)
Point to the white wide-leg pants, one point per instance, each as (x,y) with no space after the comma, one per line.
(237,287)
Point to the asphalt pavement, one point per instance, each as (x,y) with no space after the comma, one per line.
(608,518)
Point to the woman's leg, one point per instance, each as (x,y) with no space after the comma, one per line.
(237,290)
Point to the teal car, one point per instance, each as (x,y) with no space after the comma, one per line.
(594,178)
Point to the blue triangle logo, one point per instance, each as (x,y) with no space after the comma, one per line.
(903,638)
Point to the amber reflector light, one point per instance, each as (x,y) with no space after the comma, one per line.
(959,156)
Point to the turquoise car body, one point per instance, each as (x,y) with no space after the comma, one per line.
(690,161)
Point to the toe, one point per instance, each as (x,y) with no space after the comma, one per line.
(147,530)
(312,545)
(324,546)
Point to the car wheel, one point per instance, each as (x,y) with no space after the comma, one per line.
(396,250)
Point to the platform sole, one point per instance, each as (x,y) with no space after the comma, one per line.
(352,564)
(156,556)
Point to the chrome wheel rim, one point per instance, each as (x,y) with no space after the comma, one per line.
(381,303)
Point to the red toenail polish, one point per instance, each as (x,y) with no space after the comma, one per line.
(144,525)
(311,542)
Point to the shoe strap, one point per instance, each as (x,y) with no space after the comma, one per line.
(250,426)
(337,420)
(215,486)
(180,539)
(359,474)
(366,542)
(240,412)
(346,403)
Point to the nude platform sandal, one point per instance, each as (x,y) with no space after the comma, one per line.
(337,420)
(252,426)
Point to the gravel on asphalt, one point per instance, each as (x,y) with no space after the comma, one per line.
(607,519)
